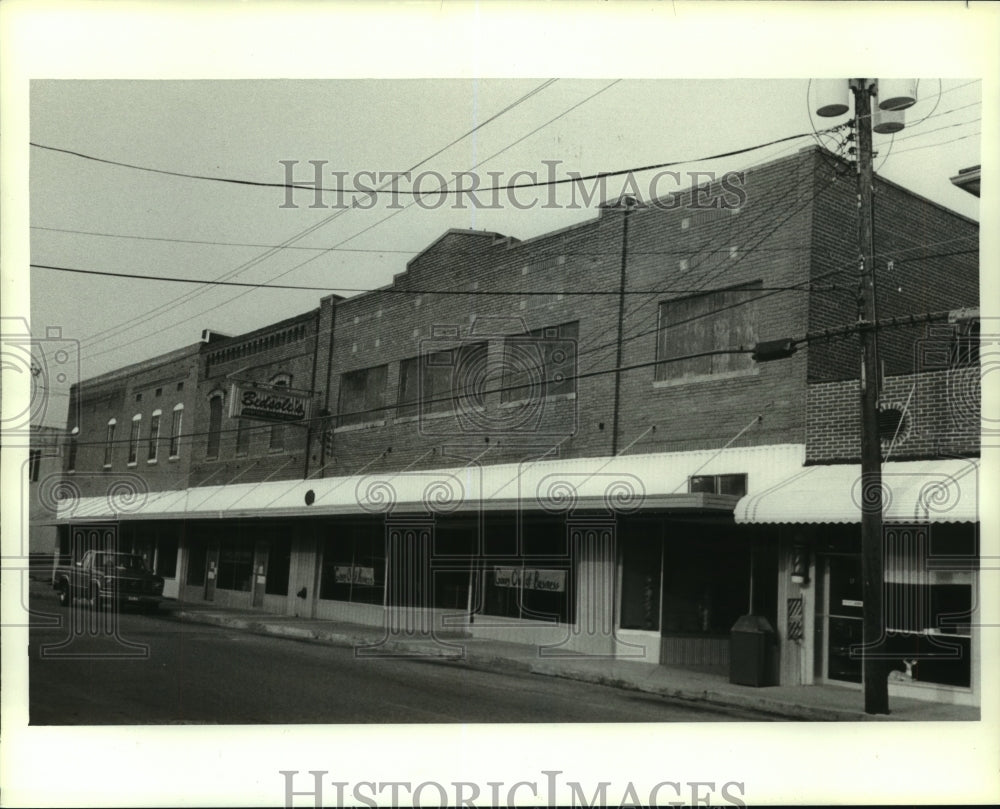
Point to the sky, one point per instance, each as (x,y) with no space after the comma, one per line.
(179,227)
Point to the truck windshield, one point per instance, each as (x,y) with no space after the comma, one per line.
(125,562)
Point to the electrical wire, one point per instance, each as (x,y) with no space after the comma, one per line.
(942,143)
(441,190)
(107,334)
(387,290)
(902,321)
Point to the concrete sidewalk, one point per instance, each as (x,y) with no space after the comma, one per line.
(814,702)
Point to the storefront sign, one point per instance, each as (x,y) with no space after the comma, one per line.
(268,404)
(530,578)
(347,574)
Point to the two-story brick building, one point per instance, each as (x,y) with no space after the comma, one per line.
(547,440)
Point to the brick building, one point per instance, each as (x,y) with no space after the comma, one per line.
(129,437)
(558,440)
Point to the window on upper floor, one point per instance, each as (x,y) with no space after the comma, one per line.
(154,437)
(133,439)
(541,363)
(691,329)
(34,464)
(109,443)
(362,396)
(242,436)
(442,381)
(214,426)
(279,432)
(175,431)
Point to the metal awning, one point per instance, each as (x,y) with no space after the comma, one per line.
(622,484)
(915,491)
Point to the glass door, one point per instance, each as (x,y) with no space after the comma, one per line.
(844,617)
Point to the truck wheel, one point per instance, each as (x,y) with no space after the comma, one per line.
(64,595)
(95,596)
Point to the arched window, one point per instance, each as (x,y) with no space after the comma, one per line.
(279,431)
(109,443)
(133,439)
(154,436)
(214,425)
(175,431)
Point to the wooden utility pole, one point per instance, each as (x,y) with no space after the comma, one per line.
(875,677)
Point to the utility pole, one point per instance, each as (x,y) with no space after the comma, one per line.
(875,677)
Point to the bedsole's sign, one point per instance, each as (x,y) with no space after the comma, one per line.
(268,404)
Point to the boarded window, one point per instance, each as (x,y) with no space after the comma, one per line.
(362,396)
(691,329)
(541,363)
(442,381)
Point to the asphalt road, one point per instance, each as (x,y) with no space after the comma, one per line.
(194,673)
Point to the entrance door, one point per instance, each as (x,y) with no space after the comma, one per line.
(212,572)
(844,617)
(260,573)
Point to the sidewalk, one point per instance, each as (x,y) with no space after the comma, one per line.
(813,702)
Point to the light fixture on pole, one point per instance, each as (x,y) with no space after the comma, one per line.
(896,95)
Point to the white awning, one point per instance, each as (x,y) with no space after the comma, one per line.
(622,484)
(916,491)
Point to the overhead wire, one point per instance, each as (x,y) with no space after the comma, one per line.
(902,321)
(108,333)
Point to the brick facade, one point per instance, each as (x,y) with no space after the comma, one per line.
(934,255)
(781,226)
(155,388)
(285,352)
(941,417)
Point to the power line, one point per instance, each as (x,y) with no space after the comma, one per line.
(388,290)
(107,333)
(902,321)
(329,249)
(441,190)
(942,143)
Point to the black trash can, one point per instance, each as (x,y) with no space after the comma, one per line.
(751,642)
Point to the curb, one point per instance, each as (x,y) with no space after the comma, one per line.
(757,704)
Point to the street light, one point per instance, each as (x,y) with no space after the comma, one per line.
(895,96)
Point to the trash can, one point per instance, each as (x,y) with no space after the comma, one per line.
(751,641)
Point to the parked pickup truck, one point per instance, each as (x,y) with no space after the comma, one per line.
(102,576)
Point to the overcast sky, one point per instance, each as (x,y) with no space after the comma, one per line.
(242,129)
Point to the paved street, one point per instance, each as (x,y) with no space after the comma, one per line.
(196,673)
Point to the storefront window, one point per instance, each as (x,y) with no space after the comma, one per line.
(706,584)
(166,554)
(354,564)
(537,582)
(640,590)
(928,604)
